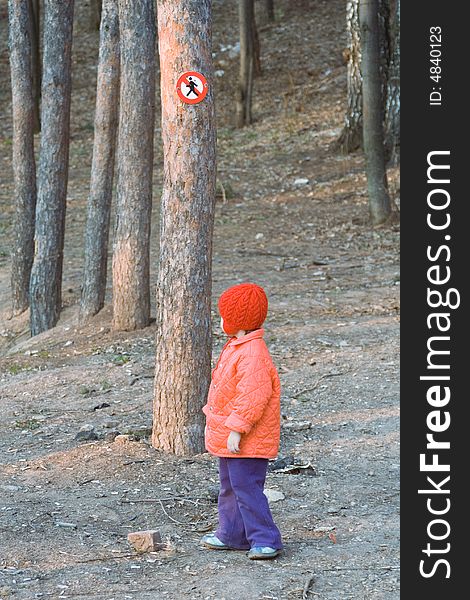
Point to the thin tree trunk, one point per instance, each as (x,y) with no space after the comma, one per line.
(183,341)
(379,200)
(36,61)
(131,286)
(392,114)
(269,10)
(24,168)
(95,14)
(245,82)
(351,135)
(256,49)
(46,275)
(102,170)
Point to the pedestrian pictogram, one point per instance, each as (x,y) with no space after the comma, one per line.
(192,87)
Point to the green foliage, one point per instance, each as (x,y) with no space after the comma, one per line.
(120,359)
(105,384)
(30,424)
(15,368)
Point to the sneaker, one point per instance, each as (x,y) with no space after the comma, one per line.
(212,541)
(262,553)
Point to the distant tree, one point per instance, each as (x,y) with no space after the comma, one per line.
(183,339)
(131,285)
(269,10)
(95,14)
(256,49)
(247,62)
(102,170)
(36,60)
(46,274)
(392,108)
(379,199)
(24,168)
(351,135)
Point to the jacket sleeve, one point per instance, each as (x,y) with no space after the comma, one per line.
(254,389)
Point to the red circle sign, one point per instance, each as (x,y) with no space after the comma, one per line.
(192,87)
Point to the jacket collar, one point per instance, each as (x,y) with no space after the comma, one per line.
(258,333)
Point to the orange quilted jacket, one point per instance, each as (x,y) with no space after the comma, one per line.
(244,396)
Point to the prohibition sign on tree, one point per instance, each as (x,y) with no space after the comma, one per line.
(192,87)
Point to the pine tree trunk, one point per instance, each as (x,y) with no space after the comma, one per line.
(95,14)
(245,82)
(24,168)
(183,341)
(131,286)
(46,275)
(379,200)
(269,10)
(351,135)
(102,171)
(36,60)
(256,49)
(392,113)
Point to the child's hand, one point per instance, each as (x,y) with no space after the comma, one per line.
(233,441)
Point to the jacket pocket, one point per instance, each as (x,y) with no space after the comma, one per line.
(216,422)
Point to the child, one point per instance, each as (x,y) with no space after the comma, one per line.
(243,426)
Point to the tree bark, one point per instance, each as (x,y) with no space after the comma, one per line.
(245,82)
(392,109)
(256,49)
(379,200)
(102,170)
(351,135)
(131,286)
(95,14)
(183,340)
(24,167)
(36,60)
(269,10)
(46,275)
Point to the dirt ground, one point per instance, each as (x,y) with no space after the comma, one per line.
(66,505)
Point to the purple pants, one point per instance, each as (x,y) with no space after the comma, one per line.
(244,516)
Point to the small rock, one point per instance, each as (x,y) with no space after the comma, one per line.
(110,436)
(66,525)
(301,181)
(259,236)
(10,488)
(145,541)
(273,495)
(86,434)
(123,438)
(219,73)
(111,424)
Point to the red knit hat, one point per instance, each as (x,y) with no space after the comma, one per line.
(243,306)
